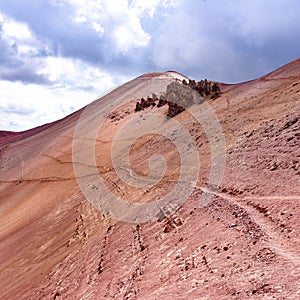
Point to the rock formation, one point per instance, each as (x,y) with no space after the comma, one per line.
(178,96)
(204,87)
(145,103)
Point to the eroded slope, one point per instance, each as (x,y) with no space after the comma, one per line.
(244,244)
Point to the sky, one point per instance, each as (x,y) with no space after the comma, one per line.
(57,56)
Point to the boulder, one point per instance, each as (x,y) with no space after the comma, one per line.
(174,109)
(138,107)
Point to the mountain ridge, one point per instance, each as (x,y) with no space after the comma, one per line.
(245,243)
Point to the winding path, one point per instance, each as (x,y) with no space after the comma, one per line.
(278,244)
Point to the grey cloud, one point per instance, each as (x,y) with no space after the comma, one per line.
(17,67)
(58,36)
(13,67)
(25,74)
(235,41)
(8,54)
(54,23)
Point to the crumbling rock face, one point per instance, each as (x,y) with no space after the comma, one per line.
(178,97)
(216,91)
(204,87)
(138,107)
(145,103)
(174,109)
(162,101)
(181,95)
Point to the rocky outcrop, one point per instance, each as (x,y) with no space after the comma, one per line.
(174,109)
(162,101)
(216,91)
(204,87)
(145,103)
(178,96)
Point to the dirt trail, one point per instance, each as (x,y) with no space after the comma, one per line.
(275,241)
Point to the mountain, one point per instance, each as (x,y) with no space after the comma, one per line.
(231,232)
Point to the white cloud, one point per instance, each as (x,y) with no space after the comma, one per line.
(17,30)
(130,36)
(53,63)
(119,18)
(18,34)
(98,28)
(26,106)
(141,7)
(74,83)
(23,106)
(57,68)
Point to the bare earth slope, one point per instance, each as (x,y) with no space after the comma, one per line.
(244,245)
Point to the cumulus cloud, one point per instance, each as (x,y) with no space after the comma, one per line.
(66,52)
(30,105)
(67,46)
(232,42)
(98,32)
(21,53)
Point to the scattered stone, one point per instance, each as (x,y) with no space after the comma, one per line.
(112,116)
(57,295)
(274,167)
(151,101)
(161,102)
(138,107)
(145,103)
(184,82)
(174,109)
(290,123)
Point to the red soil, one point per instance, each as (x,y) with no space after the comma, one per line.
(244,245)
